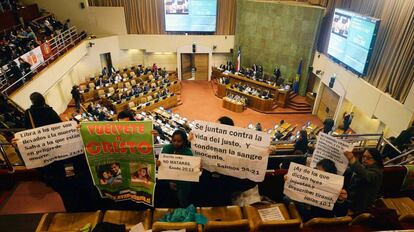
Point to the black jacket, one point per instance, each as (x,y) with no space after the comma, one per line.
(41,116)
(365,185)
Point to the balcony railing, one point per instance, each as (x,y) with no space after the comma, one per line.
(40,57)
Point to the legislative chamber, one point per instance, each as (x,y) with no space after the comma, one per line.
(206,115)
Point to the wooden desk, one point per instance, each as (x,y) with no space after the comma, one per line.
(238,108)
(254,102)
(281,96)
(167,103)
(173,88)
(221,91)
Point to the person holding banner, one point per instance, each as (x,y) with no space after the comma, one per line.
(308,211)
(179,145)
(366,179)
(70,178)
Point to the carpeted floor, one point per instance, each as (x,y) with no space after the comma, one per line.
(199,102)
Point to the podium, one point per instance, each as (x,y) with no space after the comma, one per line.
(238,108)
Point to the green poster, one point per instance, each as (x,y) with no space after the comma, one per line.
(121,159)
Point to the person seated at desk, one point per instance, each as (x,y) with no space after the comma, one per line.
(111,78)
(164,92)
(138,89)
(166,80)
(115,97)
(147,70)
(138,71)
(100,82)
(301,144)
(254,68)
(104,71)
(146,88)
(91,109)
(259,127)
(278,135)
(117,78)
(102,115)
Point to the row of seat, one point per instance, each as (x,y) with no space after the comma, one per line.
(227,218)
(141,98)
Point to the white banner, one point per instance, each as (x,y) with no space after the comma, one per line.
(312,186)
(329,147)
(179,167)
(33,57)
(232,151)
(43,145)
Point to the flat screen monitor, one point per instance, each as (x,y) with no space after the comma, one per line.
(352,40)
(190,15)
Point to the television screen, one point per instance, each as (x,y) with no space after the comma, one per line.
(352,40)
(190,15)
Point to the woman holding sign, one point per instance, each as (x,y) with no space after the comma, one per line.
(366,179)
(180,146)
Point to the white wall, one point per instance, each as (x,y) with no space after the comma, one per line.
(56,80)
(221,58)
(100,21)
(91,63)
(162,59)
(170,43)
(370,101)
(46,81)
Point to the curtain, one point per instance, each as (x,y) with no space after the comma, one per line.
(141,16)
(147,16)
(391,68)
(226,17)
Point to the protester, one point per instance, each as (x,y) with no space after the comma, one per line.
(308,211)
(366,179)
(75,187)
(179,145)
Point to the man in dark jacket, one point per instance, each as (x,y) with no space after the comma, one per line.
(328,125)
(76,190)
(76,96)
(348,120)
(366,179)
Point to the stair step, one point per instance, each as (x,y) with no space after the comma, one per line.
(299,104)
(301,109)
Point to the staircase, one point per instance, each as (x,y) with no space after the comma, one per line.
(298,103)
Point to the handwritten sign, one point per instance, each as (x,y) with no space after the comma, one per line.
(179,167)
(44,145)
(312,186)
(329,147)
(232,151)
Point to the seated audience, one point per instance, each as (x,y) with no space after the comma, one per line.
(301,144)
(328,124)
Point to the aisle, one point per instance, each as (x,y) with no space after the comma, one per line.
(32,197)
(199,102)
